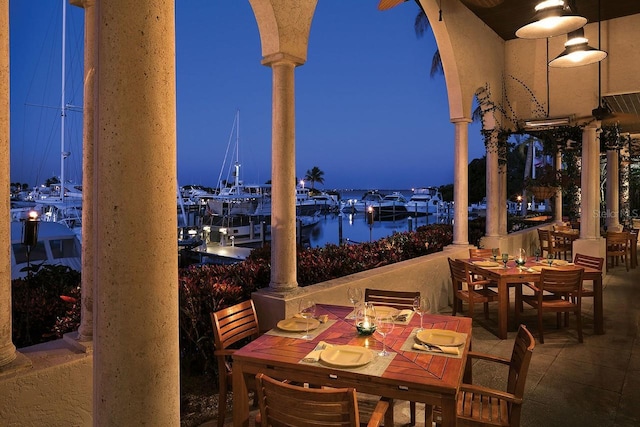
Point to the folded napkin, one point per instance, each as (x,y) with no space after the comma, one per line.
(438,349)
(403,316)
(314,356)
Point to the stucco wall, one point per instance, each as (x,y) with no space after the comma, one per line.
(56,392)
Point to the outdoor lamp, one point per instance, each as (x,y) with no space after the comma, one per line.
(552,18)
(30,234)
(577,52)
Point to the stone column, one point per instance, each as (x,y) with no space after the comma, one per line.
(7,349)
(283,166)
(590,241)
(85,331)
(461,182)
(558,196)
(136,373)
(495,205)
(502,179)
(613,191)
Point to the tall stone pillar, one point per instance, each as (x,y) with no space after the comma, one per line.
(283,166)
(613,191)
(558,197)
(85,331)
(590,241)
(7,349)
(502,179)
(495,205)
(461,182)
(136,374)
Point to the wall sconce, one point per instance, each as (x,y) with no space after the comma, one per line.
(577,52)
(552,18)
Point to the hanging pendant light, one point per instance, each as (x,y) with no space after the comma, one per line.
(577,52)
(552,18)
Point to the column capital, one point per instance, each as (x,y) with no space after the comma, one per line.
(457,120)
(84,4)
(281,57)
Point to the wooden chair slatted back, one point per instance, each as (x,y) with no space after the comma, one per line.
(588,261)
(481,253)
(561,281)
(396,299)
(234,324)
(283,404)
(520,359)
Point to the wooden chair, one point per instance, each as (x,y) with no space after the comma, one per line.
(402,300)
(466,288)
(560,244)
(397,299)
(618,247)
(483,406)
(482,253)
(553,293)
(231,326)
(583,260)
(283,404)
(545,241)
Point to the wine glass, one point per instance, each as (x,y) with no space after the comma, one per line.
(495,252)
(536,252)
(550,259)
(307,309)
(384,326)
(420,306)
(505,259)
(355,296)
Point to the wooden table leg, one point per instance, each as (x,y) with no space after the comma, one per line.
(503,309)
(449,412)
(240,397)
(598,316)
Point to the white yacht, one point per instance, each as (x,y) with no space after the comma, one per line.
(424,201)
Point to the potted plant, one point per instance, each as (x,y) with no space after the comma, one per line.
(546,184)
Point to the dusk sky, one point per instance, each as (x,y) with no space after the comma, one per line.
(367,112)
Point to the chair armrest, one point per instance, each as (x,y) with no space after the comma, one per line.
(489,357)
(377,417)
(490,392)
(225,352)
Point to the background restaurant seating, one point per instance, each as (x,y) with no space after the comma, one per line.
(232,327)
(618,248)
(485,406)
(545,241)
(561,244)
(557,291)
(483,253)
(466,288)
(284,404)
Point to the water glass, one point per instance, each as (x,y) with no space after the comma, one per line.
(420,306)
(536,252)
(355,295)
(384,326)
(505,259)
(550,259)
(495,252)
(307,309)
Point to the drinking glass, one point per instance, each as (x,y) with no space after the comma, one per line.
(307,309)
(505,259)
(536,252)
(550,259)
(420,306)
(355,296)
(384,326)
(495,252)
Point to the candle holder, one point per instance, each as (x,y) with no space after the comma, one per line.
(366,319)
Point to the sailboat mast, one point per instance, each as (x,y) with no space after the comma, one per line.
(63,110)
(237,165)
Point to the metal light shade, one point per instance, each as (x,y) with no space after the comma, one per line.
(551,19)
(577,52)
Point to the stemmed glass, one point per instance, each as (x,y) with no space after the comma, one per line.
(505,259)
(550,259)
(420,306)
(536,252)
(384,326)
(355,296)
(307,309)
(495,252)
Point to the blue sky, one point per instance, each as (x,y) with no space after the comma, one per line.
(367,112)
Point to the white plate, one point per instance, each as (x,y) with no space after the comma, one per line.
(440,337)
(556,262)
(346,356)
(385,312)
(486,264)
(298,324)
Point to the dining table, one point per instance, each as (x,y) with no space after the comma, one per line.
(512,274)
(411,371)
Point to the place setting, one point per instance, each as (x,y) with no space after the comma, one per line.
(304,324)
(440,342)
